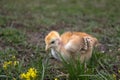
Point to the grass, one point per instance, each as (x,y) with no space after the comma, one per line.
(24,24)
(97,69)
(11,35)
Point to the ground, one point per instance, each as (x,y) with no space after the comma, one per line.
(25,23)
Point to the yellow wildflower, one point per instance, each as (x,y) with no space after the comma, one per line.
(9,63)
(56,79)
(5,64)
(15,63)
(22,75)
(30,74)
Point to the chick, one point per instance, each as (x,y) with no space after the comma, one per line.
(70,45)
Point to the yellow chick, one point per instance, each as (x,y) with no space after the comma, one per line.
(70,45)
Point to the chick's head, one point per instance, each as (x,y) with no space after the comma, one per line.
(52,40)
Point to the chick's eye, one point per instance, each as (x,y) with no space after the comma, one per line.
(52,42)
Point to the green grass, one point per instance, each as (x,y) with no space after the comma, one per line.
(11,35)
(97,68)
(24,24)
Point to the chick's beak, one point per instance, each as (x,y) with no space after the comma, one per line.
(46,48)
